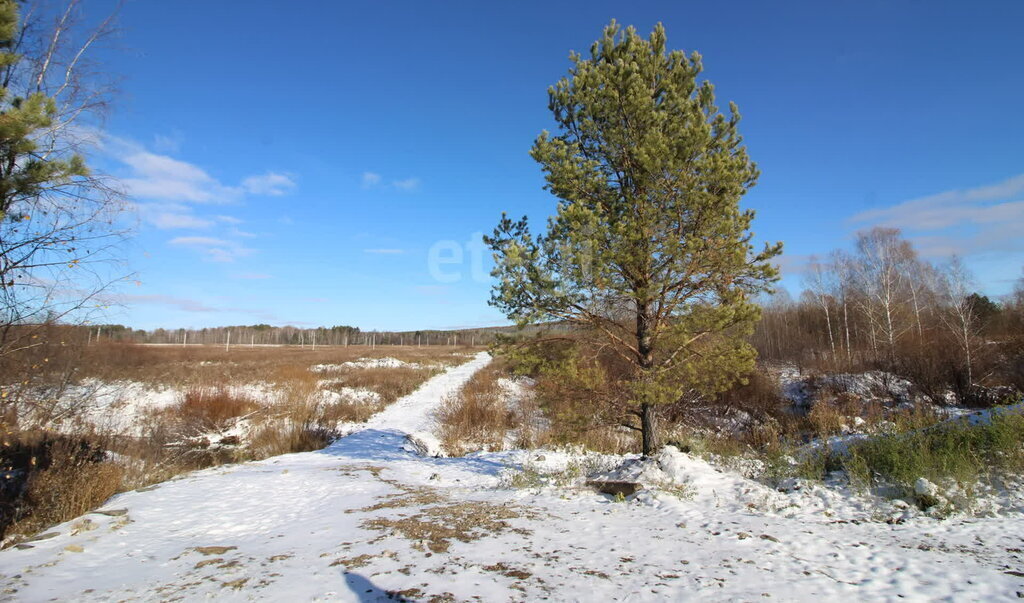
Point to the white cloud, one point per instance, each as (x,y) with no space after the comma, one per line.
(170,143)
(167,220)
(179,303)
(215,250)
(792,263)
(168,216)
(242,233)
(184,304)
(929,212)
(975,220)
(375,180)
(370,179)
(165,190)
(164,178)
(271,184)
(409,184)
(160,177)
(197,241)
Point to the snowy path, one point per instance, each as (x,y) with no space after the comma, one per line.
(363,518)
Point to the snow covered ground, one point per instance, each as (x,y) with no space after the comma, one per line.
(365,517)
(121,407)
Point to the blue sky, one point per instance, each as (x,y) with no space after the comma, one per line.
(298,162)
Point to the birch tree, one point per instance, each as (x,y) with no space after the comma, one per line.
(958,314)
(842,266)
(881,276)
(819,281)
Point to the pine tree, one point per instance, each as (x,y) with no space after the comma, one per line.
(649,248)
(25,172)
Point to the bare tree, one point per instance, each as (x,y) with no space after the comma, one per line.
(958,314)
(819,281)
(842,266)
(880,270)
(60,222)
(922,280)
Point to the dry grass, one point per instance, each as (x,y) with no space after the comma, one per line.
(582,392)
(831,416)
(477,417)
(206,365)
(389,383)
(438,521)
(64,481)
(845,412)
(603,438)
(294,425)
(272,440)
(206,409)
(434,528)
(484,415)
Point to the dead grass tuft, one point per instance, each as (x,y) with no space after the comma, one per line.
(411,497)
(434,528)
(507,570)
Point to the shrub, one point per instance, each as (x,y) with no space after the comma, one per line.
(956,450)
(298,424)
(584,395)
(284,438)
(208,409)
(959,451)
(349,412)
(60,478)
(831,416)
(477,417)
(758,395)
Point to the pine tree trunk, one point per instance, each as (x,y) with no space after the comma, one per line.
(646,361)
(648,428)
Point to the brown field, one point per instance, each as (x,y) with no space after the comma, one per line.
(212,365)
(214,420)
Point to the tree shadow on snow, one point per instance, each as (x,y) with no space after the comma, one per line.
(383,445)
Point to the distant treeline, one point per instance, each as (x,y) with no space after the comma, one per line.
(263,334)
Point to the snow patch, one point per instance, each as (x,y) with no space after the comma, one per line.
(348,395)
(424,444)
(362,363)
